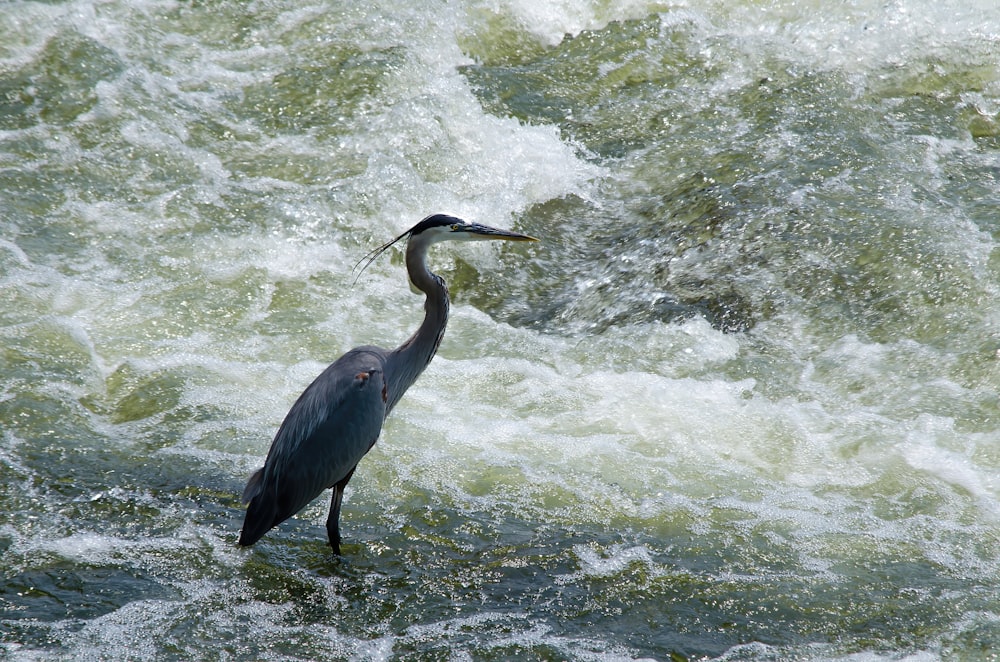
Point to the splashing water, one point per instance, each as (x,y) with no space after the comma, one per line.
(739,403)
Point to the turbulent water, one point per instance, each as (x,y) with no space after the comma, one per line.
(740,402)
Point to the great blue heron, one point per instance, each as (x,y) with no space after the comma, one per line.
(338,418)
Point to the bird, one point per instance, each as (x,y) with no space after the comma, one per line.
(339,416)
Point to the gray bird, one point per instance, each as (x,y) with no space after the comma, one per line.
(338,418)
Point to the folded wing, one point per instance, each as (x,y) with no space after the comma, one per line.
(332,425)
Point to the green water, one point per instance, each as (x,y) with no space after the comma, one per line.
(739,403)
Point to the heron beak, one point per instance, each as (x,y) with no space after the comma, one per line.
(478,231)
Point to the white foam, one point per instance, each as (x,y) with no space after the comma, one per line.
(593,564)
(857,37)
(550,22)
(650,431)
(926,448)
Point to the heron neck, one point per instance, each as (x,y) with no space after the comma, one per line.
(410,358)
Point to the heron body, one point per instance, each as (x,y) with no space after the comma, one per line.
(339,417)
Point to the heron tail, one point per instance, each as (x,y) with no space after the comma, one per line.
(261,511)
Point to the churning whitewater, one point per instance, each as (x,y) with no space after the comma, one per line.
(740,402)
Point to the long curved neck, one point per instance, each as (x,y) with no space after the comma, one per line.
(406,362)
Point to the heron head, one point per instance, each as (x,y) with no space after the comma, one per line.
(441,227)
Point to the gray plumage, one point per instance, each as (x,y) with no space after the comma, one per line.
(338,418)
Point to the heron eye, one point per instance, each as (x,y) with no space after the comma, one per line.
(454,227)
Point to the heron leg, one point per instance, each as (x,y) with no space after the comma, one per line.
(333,519)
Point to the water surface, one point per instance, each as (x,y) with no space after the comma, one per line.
(740,403)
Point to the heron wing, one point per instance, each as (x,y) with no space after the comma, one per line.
(327,431)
